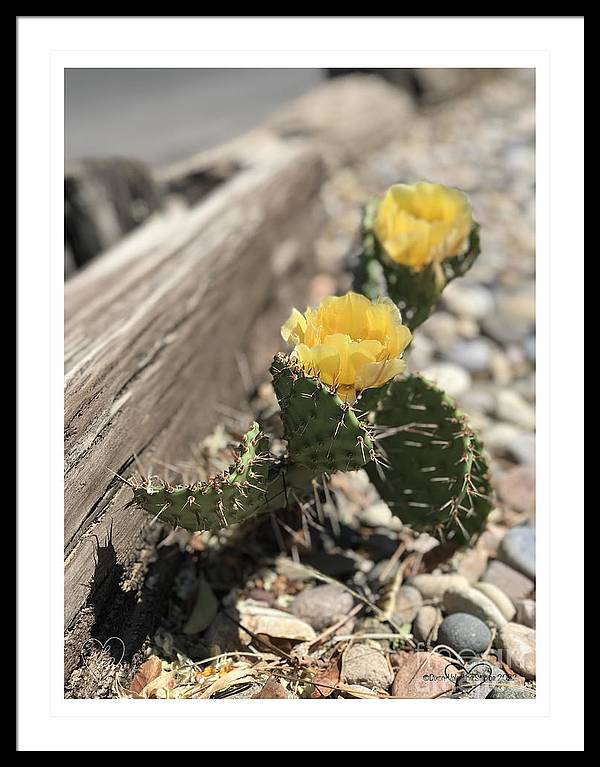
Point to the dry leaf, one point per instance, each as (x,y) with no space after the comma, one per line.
(272,689)
(204,610)
(147,672)
(325,681)
(157,687)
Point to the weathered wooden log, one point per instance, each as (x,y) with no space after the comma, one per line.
(151,337)
(105,198)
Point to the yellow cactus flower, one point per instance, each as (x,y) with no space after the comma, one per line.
(424,223)
(349,342)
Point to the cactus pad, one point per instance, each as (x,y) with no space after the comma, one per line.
(437,475)
(227,498)
(323,433)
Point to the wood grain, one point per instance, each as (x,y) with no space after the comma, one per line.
(151,334)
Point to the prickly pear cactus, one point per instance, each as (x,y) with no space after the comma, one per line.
(436,479)
(416,292)
(323,433)
(341,404)
(227,498)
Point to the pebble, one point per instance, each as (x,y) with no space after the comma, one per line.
(472,563)
(382,568)
(499,598)
(468,328)
(408,604)
(517,550)
(472,355)
(522,448)
(502,329)
(511,692)
(500,437)
(426,624)
(376,515)
(526,387)
(322,606)
(526,613)
(516,487)
(501,368)
(474,301)
(442,329)
(513,318)
(514,584)
(360,688)
(464,633)
(421,675)
(366,665)
(529,346)
(512,407)
(274,623)
(470,600)
(479,399)
(453,379)
(421,352)
(518,645)
(479,679)
(433,587)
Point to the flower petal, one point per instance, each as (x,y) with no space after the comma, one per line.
(378,373)
(293,330)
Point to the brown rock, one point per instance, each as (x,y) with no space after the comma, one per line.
(421,675)
(512,583)
(472,564)
(518,645)
(516,488)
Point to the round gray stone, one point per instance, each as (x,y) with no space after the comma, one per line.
(322,606)
(511,692)
(464,633)
(473,355)
(517,550)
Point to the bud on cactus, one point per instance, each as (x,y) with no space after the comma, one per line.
(414,241)
(437,479)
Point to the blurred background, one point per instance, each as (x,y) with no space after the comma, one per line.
(122,125)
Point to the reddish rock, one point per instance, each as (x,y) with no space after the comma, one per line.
(422,675)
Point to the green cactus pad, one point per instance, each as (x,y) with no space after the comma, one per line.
(323,433)
(437,479)
(415,292)
(232,496)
